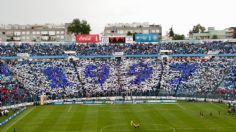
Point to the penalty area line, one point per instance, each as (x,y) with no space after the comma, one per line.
(69,109)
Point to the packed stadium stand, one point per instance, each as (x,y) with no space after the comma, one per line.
(190,70)
(41,49)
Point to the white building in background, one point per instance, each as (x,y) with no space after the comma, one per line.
(211,33)
(122,29)
(27,33)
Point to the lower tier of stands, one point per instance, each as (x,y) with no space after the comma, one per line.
(23,80)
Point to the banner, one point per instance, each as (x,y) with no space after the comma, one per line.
(129,39)
(23,55)
(234,34)
(116,39)
(146,37)
(87,38)
(104,40)
(118,54)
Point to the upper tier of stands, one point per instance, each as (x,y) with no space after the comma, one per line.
(58,49)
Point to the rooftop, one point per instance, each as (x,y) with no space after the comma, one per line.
(134,24)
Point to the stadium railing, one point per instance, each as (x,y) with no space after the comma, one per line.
(128,55)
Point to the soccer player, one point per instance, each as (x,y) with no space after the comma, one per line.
(211,114)
(135,125)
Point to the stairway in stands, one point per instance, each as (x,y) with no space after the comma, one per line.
(76,70)
(119,75)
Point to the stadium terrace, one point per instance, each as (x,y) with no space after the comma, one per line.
(69,73)
(198,70)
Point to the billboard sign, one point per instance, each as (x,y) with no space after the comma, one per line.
(146,37)
(87,38)
(129,39)
(116,39)
(234,34)
(104,40)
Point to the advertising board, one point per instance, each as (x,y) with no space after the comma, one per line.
(87,38)
(146,37)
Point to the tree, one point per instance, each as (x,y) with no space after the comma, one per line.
(198,29)
(178,37)
(190,33)
(171,32)
(129,33)
(79,27)
(214,37)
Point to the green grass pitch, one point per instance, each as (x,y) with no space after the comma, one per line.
(180,117)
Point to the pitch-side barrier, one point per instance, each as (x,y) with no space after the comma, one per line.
(12,116)
(119,100)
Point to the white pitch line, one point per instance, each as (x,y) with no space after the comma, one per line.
(69,109)
(181,107)
(205,128)
(217,106)
(18,120)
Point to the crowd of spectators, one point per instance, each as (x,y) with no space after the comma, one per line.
(47,49)
(23,80)
(199,48)
(43,49)
(196,75)
(10,88)
(59,78)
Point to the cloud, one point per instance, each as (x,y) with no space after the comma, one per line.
(182,14)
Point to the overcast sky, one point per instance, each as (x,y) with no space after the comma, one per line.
(182,14)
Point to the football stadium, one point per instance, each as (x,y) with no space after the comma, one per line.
(134,76)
